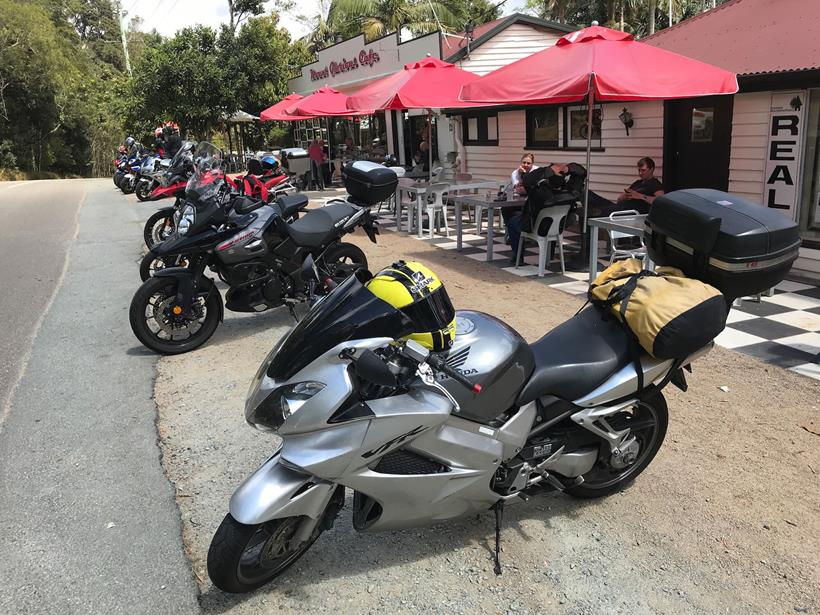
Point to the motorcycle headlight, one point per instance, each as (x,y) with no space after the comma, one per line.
(281,403)
(186,221)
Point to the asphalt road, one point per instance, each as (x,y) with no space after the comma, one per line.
(39,223)
(88,518)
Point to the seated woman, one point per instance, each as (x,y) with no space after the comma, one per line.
(420,164)
(514,216)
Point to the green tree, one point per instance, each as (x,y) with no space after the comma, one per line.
(182,78)
(239,10)
(477,11)
(375,18)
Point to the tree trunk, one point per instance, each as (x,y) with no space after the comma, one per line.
(622,15)
(653,5)
(562,11)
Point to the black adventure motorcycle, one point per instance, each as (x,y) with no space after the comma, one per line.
(252,249)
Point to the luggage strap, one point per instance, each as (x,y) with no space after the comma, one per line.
(622,294)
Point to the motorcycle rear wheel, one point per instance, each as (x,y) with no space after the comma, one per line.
(151,304)
(342,260)
(157,227)
(648,424)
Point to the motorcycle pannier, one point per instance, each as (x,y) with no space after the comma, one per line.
(671,316)
(369,183)
(737,246)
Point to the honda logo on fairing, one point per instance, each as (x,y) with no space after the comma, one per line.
(457,359)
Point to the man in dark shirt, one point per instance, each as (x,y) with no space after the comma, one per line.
(638,196)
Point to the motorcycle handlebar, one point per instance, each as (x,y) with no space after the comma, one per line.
(439,364)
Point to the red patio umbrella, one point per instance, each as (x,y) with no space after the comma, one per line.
(426,84)
(325,102)
(277,112)
(599,64)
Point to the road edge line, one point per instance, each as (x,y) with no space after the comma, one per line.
(5,408)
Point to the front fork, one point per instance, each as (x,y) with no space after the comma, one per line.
(188,285)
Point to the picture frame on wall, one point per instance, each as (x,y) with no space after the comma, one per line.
(577,117)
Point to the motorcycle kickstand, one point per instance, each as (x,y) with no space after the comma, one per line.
(498,508)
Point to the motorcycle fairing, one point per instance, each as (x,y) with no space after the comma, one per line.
(276,491)
(350,312)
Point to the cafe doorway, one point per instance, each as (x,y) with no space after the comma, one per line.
(697,142)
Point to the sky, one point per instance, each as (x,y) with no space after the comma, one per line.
(168,16)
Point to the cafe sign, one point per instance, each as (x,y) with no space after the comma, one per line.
(366,57)
(785,130)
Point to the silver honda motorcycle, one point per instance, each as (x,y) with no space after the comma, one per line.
(422,437)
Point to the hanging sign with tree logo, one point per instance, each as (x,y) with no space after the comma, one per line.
(783,150)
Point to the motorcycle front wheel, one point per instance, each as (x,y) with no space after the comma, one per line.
(144,189)
(158,228)
(243,558)
(128,184)
(152,263)
(155,324)
(647,422)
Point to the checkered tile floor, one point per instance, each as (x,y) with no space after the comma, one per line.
(783,330)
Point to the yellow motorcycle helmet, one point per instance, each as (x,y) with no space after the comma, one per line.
(416,291)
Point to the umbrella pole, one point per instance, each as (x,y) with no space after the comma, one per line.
(584,233)
(430,144)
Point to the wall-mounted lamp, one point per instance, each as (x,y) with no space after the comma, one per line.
(469,29)
(626,120)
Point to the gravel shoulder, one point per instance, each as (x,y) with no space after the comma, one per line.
(726,519)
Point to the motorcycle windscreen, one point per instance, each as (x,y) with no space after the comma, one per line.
(350,312)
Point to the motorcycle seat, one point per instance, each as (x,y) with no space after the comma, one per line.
(576,356)
(319,225)
(291,203)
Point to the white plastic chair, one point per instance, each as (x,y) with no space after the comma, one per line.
(558,213)
(615,236)
(435,204)
(409,198)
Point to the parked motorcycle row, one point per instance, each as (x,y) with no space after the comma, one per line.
(384,390)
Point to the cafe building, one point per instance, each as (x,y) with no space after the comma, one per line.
(762,143)
(351,64)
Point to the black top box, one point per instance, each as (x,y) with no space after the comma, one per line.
(369,183)
(739,247)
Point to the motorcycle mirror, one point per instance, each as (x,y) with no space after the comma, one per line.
(371,368)
(309,271)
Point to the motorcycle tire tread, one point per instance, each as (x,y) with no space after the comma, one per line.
(226,549)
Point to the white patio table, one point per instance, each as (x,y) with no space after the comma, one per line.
(629,225)
(421,188)
(473,200)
